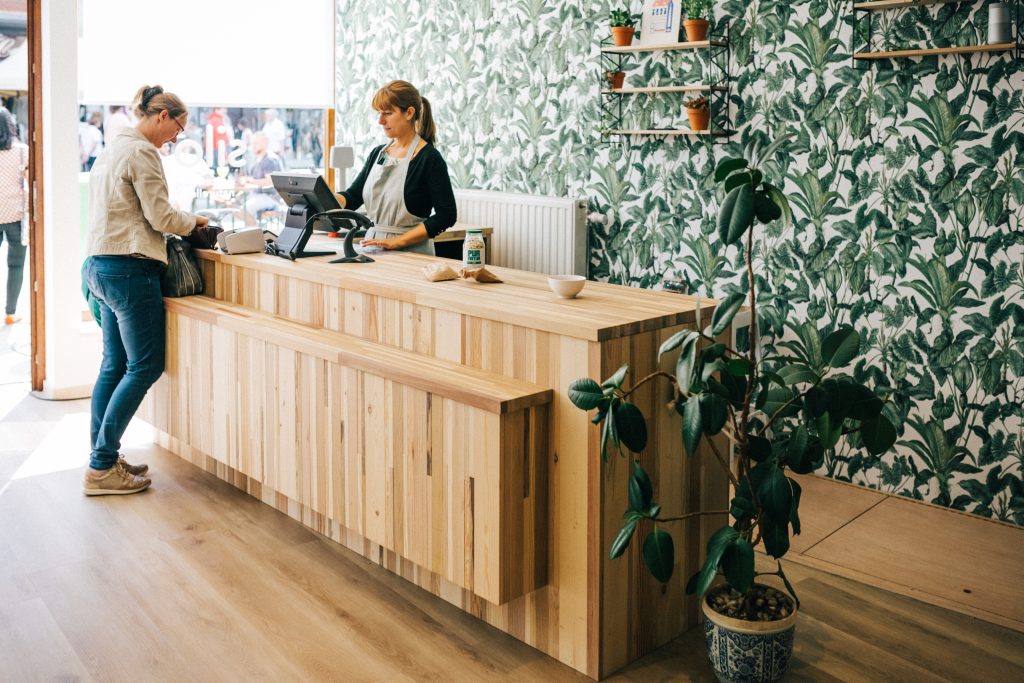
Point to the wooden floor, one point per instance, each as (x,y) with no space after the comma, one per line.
(195,581)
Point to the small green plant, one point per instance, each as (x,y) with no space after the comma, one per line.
(697,9)
(620,17)
(698,103)
(781,412)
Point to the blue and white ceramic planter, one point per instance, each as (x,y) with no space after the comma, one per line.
(748,651)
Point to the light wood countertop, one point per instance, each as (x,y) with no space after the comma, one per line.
(600,312)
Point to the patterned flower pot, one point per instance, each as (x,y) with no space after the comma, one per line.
(696,30)
(622,36)
(700,119)
(748,651)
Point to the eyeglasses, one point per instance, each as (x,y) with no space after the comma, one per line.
(181,128)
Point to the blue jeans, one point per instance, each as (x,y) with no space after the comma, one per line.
(134,339)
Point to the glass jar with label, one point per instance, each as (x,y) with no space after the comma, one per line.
(473,257)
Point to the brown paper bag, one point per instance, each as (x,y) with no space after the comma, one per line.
(439,272)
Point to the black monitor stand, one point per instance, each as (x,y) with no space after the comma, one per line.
(291,243)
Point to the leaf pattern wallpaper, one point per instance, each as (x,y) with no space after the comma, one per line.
(906,178)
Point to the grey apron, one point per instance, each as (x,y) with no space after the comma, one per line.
(384,194)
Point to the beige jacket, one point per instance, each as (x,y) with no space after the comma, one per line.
(129,210)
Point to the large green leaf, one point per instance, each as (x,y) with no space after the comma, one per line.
(738,564)
(861,403)
(759,448)
(780,200)
(631,426)
(623,538)
(728,166)
(798,373)
(720,540)
(692,424)
(794,512)
(677,340)
(736,214)
(776,537)
(878,434)
(840,347)
(685,363)
(585,394)
(725,312)
(776,495)
(659,554)
(616,379)
(714,413)
(829,430)
(640,489)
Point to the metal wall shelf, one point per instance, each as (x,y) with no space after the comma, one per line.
(717,88)
(924,52)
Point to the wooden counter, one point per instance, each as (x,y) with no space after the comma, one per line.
(426,426)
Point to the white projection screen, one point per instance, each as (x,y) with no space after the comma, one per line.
(232,53)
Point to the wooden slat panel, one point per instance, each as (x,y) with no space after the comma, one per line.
(362,450)
(488,391)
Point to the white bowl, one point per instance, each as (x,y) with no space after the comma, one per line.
(566,286)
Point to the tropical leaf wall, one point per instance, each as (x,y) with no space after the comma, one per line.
(907,182)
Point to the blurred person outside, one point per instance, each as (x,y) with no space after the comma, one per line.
(13,167)
(275,130)
(90,140)
(116,121)
(219,134)
(262,195)
(186,172)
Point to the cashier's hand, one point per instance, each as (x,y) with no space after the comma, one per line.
(202,221)
(394,243)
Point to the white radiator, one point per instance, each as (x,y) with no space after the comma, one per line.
(540,234)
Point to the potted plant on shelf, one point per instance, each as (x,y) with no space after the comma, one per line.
(696,22)
(615,79)
(698,109)
(622,22)
(780,412)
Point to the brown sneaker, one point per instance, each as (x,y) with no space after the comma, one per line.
(115,481)
(137,470)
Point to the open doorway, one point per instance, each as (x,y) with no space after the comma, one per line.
(15,228)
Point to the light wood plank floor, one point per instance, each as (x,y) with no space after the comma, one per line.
(196,581)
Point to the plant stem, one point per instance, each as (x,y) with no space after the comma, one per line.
(647,379)
(783,407)
(691,514)
(724,463)
(751,373)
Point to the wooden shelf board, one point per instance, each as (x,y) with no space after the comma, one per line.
(962,49)
(667,88)
(670,46)
(896,4)
(665,131)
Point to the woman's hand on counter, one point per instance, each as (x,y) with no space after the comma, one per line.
(393,243)
(202,221)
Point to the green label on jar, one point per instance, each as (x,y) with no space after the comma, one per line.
(474,257)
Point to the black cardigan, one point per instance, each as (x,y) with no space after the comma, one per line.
(427,187)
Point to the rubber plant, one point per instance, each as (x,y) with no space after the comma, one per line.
(780,415)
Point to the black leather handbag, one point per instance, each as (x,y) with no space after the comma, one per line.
(182,276)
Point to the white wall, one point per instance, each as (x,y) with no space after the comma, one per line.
(73,347)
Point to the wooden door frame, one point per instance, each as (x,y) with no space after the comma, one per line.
(35,185)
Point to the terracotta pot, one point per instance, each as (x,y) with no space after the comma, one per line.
(748,651)
(615,79)
(700,119)
(696,30)
(623,35)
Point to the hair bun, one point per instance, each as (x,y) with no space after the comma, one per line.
(149,93)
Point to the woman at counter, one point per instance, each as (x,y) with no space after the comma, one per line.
(405,179)
(129,212)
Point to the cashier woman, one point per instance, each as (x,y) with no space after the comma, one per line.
(404,180)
